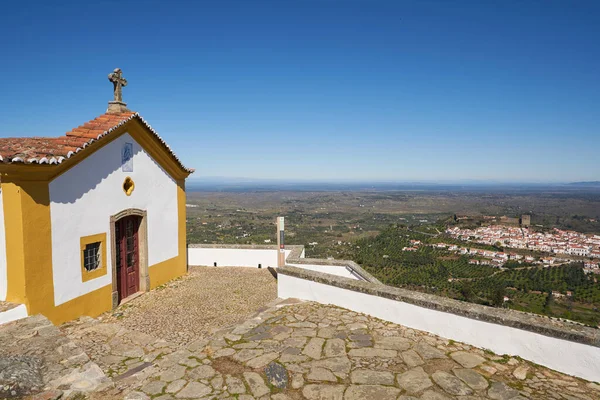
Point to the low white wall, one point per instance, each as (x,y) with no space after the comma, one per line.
(565,356)
(233,257)
(328,269)
(13,314)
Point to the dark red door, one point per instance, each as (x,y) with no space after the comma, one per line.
(128,256)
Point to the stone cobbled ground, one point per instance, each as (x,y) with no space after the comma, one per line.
(34,354)
(204,300)
(304,350)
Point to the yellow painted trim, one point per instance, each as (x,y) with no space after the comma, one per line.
(15,251)
(165,271)
(181,216)
(98,272)
(177,266)
(91,304)
(29,255)
(29,244)
(155,149)
(37,238)
(28,172)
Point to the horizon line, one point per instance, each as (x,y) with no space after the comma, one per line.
(229,180)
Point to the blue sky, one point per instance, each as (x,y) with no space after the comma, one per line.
(322,90)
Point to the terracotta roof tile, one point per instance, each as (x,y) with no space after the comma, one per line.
(55,150)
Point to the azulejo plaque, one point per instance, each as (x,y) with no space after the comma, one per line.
(127,157)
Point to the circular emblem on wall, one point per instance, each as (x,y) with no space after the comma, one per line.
(128,186)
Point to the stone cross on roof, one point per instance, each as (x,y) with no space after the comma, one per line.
(117,105)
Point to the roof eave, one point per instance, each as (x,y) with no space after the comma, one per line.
(56,160)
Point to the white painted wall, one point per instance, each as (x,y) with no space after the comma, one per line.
(569,357)
(224,257)
(3,271)
(233,257)
(13,314)
(328,269)
(83,199)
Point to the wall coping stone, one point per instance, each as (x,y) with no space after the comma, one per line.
(245,247)
(351,265)
(296,252)
(547,326)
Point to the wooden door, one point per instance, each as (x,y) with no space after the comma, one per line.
(128,256)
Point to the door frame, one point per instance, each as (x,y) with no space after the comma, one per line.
(144,277)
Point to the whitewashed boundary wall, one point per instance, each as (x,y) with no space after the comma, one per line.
(13,314)
(566,347)
(328,269)
(225,255)
(237,255)
(344,268)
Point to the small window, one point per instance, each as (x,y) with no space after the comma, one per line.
(91,256)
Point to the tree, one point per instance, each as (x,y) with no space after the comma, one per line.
(498,296)
(549,301)
(467,291)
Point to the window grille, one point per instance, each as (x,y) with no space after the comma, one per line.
(91,256)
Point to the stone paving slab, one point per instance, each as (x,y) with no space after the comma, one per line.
(303,350)
(36,357)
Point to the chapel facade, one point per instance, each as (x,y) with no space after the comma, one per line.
(91,218)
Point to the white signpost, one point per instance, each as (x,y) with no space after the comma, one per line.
(280,242)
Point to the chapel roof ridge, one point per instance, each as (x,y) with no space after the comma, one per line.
(56,150)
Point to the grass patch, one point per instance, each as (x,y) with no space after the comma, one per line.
(228,366)
(505,358)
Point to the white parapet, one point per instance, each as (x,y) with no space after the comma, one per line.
(265,256)
(13,314)
(234,257)
(568,356)
(329,269)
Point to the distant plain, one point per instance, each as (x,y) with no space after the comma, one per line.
(372,226)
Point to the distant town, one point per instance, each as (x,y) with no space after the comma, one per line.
(562,243)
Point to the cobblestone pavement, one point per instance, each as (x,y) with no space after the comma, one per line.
(205,300)
(34,354)
(297,350)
